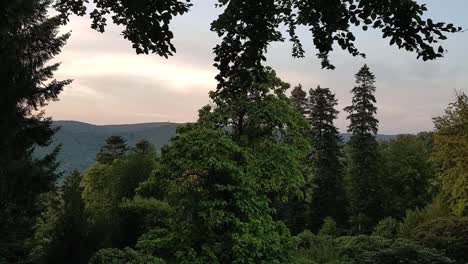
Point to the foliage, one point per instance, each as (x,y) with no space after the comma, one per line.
(106,184)
(418,216)
(451,154)
(328,228)
(387,228)
(364,188)
(146,23)
(407,175)
(114,148)
(60,233)
(127,255)
(316,249)
(368,249)
(447,234)
(364,249)
(328,196)
(29,40)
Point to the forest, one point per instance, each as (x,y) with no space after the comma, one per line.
(263,175)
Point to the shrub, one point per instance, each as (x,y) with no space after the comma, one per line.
(448,234)
(387,228)
(371,249)
(316,249)
(127,256)
(417,217)
(328,228)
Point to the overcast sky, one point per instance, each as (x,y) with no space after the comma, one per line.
(113,85)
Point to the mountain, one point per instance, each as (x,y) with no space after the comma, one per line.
(81,141)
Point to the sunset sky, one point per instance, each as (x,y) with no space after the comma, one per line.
(113,85)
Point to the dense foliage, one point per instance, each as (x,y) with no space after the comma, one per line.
(364,187)
(29,40)
(254,170)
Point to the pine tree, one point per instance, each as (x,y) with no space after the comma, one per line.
(114,148)
(29,39)
(299,99)
(326,168)
(364,190)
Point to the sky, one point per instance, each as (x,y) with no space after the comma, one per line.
(113,85)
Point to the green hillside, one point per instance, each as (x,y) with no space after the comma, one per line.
(81,141)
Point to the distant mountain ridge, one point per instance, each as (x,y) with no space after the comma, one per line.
(81,141)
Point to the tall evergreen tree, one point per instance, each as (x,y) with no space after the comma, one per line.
(114,148)
(299,99)
(29,39)
(364,187)
(61,230)
(327,172)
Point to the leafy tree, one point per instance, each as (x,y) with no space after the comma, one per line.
(107,184)
(450,154)
(387,228)
(61,230)
(364,190)
(328,228)
(114,148)
(364,249)
(407,175)
(226,174)
(327,172)
(248,27)
(368,249)
(416,217)
(447,234)
(29,39)
(127,255)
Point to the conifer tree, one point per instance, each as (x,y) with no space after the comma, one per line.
(364,190)
(29,39)
(326,168)
(114,148)
(299,99)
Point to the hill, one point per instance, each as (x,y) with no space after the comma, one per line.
(81,141)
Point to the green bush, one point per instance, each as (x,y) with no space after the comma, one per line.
(448,234)
(364,249)
(127,256)
(387,228)
(316,249)
(328,228)
(371,249)
(417,217)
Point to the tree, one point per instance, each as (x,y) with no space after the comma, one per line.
(29,39)
(61,230)
(114,148)
(107,185)
(327,172)
(450,153)
(248,27)
(364,190)
(299,99)
(407,175)
(225,176)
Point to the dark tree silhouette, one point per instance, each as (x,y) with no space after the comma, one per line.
(114,148)
(249,26)
(29,39)
(327,171)
(365,195)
